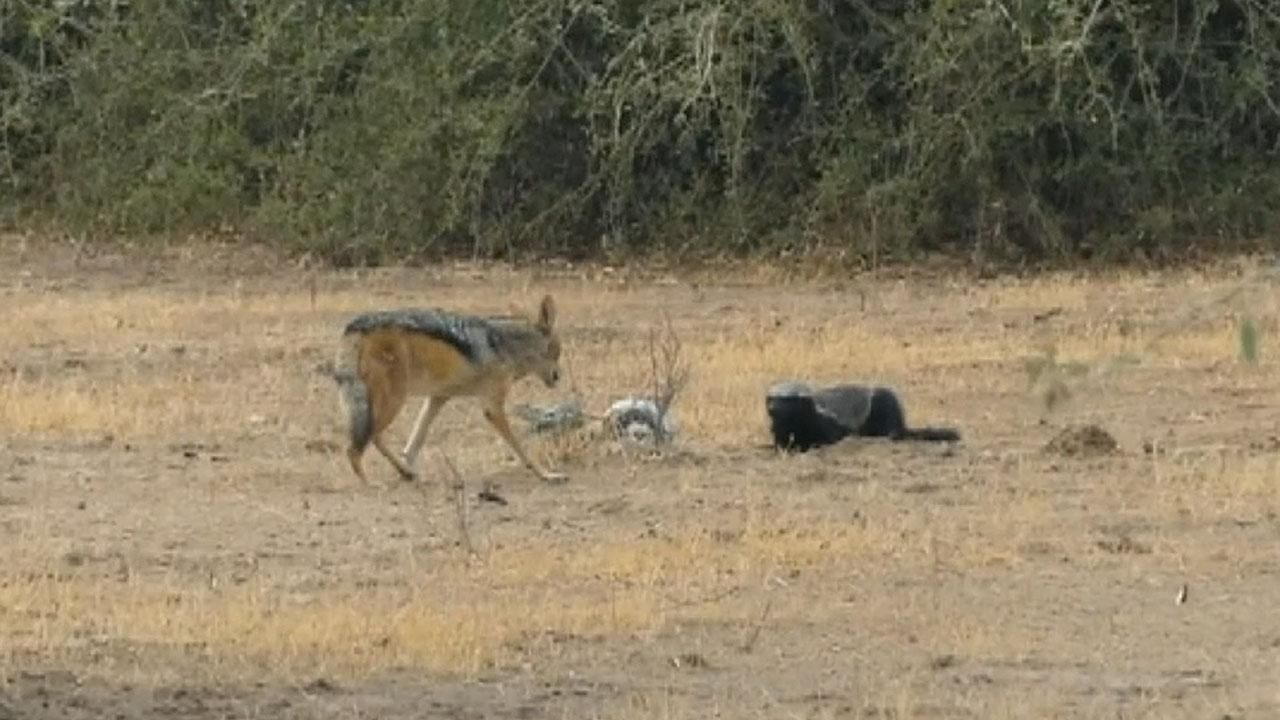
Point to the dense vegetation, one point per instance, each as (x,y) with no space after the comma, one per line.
(365,130)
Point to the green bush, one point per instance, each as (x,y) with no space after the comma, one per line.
(361,131)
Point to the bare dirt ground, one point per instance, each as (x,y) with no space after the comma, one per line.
(183,539)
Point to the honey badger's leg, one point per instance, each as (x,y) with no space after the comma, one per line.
(795,420)
(887,417)
(796,424)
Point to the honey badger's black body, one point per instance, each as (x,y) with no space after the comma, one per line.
(802,417)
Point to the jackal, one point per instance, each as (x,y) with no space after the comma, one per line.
(387,357)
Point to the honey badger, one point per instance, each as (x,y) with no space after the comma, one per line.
(802,417)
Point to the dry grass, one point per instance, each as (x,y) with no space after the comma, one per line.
(1206,485)
(244,632)
(458,618)
(212,338)
(872,560)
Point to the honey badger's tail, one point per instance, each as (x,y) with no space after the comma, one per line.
(931,434)
(354,395)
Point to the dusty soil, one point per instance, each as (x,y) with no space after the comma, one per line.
(185,540)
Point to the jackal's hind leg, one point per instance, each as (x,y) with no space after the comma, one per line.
(427,415)
(388,397)
(406,472)
(354,456)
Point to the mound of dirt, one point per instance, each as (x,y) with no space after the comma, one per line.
(1082,440)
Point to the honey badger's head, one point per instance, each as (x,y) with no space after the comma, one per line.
(794,420)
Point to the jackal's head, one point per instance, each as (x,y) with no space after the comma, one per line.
(546,362)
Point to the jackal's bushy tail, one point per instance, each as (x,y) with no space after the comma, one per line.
(353,393)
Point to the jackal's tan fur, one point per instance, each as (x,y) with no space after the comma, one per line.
(388,357)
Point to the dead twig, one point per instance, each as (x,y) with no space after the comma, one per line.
(709,600)
(750,644)
(669,372)
(459,488)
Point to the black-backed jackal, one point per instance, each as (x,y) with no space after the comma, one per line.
(387,357)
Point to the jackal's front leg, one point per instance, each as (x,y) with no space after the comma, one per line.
(496,414)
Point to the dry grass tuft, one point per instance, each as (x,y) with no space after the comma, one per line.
(1217,483)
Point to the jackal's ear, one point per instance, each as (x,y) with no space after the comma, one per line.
(547,313)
